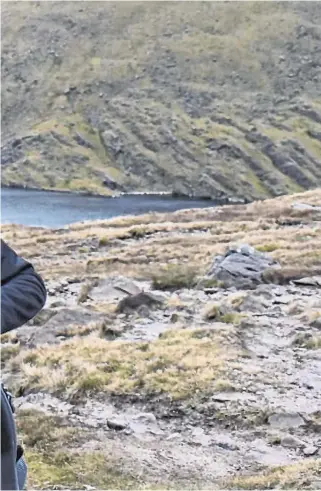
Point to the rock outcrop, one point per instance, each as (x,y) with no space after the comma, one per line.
(241,267)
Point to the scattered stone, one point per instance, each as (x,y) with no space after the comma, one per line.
(58,325)
(286,420)
(253,303)
(309,281)
(133,302)
(173,436)
(143,311)
(241,267)
(146,417)
(310,450)
(117,424)
(57,304)
(305,207)
(284,300)
(290,441)
(113,288)
(316,323)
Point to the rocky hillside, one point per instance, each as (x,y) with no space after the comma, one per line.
(170,356)
(205,98)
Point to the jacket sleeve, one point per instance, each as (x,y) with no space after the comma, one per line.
(23,293)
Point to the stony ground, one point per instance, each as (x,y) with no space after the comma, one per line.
(194,384)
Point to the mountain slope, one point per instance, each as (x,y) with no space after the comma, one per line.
(207,98)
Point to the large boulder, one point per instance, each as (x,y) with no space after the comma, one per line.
(241,266)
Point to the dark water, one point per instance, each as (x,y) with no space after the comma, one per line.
(48,209)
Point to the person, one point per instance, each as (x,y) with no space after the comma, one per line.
(23,295)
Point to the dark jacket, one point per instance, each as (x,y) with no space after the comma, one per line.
(23,293)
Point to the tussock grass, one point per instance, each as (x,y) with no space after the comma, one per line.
(174,277)
(180,363)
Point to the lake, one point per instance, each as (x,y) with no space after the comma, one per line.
(54,209)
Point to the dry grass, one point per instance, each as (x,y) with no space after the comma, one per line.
(299,475)
(181,363)
(221,314)
(174,277)
(308,341)
(287,274)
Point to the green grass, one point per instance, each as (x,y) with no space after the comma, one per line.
(74,470)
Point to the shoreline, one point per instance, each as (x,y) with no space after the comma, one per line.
(166,194)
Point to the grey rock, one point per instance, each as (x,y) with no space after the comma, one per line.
(58,303)
(117,424)
(241,267)
(305,206)
(309,281)
(111,142)
(173,436)
(284,300)
(310,450)
(146,417)
(143,311)
(58,325)
(286,420)
(316,323)
(113,289)
(253,303)
(290,441)
(316,484)
(133,302)
(265,291)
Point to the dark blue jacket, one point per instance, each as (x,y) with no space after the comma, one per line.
(23,293)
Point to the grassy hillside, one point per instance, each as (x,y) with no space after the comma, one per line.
(207,98)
